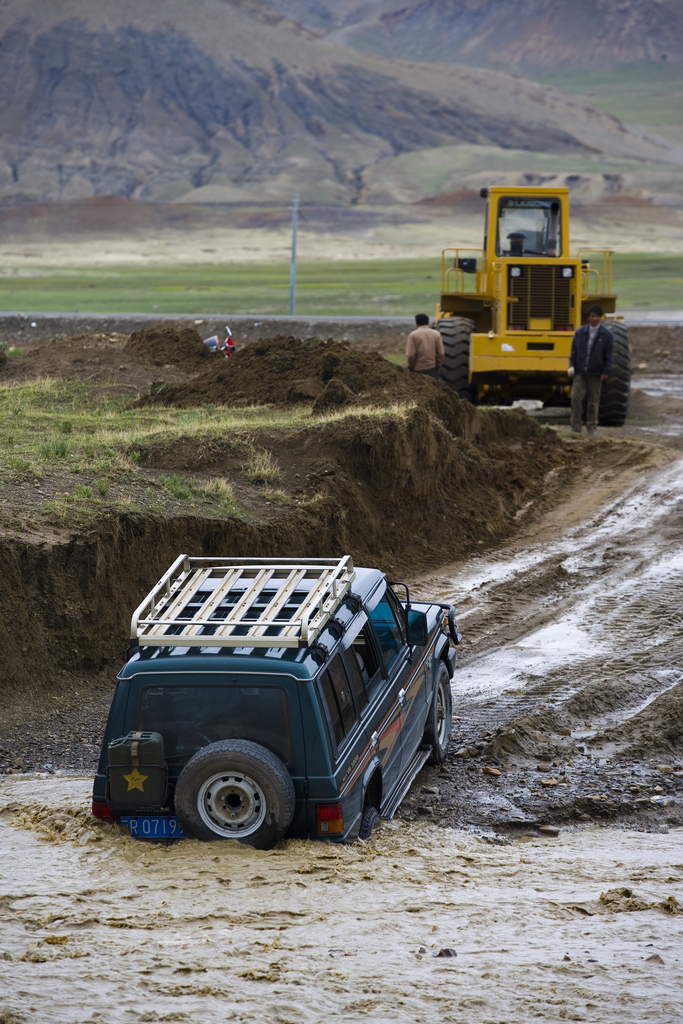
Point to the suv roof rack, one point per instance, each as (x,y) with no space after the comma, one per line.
(242,602)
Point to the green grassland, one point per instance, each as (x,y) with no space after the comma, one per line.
(363,288)
(647,94)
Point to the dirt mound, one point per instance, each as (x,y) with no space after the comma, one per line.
(656,348)
(656,730)
(89,356)
(294,371)
(335,395)
(176,344)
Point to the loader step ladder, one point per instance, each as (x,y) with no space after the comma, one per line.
(242,602)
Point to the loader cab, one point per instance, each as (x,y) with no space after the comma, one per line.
(529,225)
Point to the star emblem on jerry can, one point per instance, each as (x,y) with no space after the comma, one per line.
(135,780)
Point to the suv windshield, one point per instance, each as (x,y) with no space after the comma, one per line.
(528,226)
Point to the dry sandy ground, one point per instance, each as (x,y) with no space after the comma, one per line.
(97,927)
(395,233)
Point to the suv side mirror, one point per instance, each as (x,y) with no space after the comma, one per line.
(416,628)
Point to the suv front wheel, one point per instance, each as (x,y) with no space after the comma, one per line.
(235,789)
(440,718)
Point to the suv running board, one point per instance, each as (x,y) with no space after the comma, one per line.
(406,782)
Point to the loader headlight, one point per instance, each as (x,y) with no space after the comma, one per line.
(515,271)
(567,271)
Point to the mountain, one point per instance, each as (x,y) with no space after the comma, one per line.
(533,37)
(227,100)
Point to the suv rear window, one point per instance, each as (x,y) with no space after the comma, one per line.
(190,717)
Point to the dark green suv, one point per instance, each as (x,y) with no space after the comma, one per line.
(270,698)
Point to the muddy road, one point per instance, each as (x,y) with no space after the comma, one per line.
(571,665)
(100,928)
(570,683)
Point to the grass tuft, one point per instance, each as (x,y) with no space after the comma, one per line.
(261,469)
(276,496)
(178,486)
(218,489)
(19,464)
(55,448)
(103,487)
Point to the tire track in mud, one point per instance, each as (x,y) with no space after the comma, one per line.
(572,661)
(602,602)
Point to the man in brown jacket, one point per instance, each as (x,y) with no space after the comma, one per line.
(424,350)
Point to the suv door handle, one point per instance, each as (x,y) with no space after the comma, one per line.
(375,740)
(401,697)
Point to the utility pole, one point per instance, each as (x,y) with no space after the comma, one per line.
(292,265)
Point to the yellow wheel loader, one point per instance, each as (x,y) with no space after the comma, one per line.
(508,312)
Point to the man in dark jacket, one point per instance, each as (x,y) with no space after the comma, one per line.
(590,363)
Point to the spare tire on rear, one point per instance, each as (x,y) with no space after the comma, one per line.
(238,790)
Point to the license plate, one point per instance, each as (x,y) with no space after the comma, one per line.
(153,827)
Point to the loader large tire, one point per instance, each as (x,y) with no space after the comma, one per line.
(616,389)
(455,332)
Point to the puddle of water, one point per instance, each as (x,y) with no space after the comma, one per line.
(670,384)
(645,317)
(530,659)
(216,932)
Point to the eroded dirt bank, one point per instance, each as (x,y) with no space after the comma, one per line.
(388,490)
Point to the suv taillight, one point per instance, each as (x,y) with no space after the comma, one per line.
(328,819)
(101,810)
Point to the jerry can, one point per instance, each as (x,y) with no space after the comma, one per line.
(137,772)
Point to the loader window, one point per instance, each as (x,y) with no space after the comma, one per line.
(529,226)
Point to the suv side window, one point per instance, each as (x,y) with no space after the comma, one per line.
(388,631)
(336,689)
(362,651)
(355,675)
(398,610)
